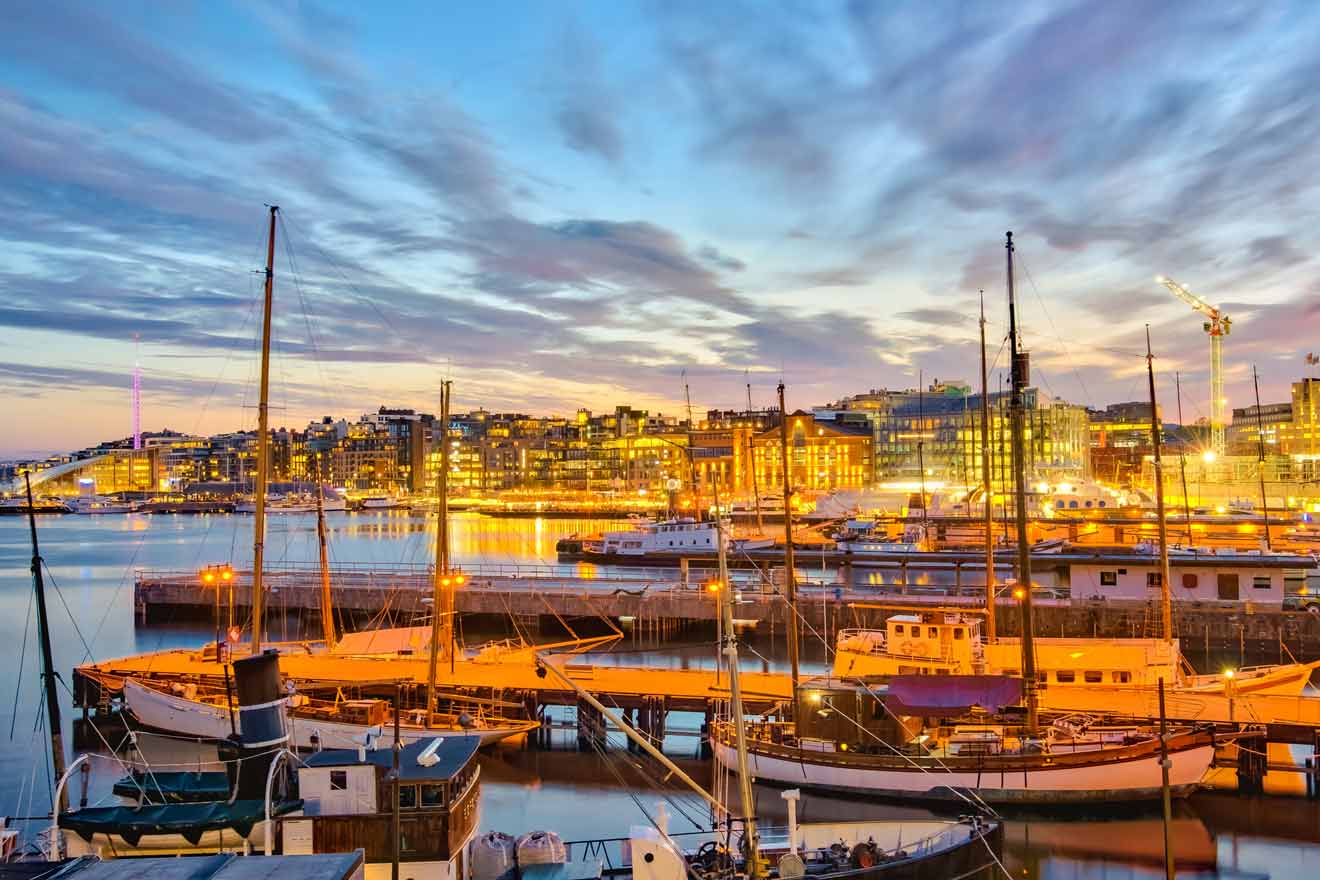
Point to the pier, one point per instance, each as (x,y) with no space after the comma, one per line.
(661,602)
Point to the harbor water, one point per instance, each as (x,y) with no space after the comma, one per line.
(582,795)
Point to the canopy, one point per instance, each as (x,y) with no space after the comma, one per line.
(174,786)
(189,820)
(942,695)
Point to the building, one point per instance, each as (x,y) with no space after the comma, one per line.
(824,454)
(938,430)
(1120,441)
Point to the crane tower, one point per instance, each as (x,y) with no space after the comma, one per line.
(1217,325)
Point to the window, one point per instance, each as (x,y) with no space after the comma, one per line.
(433,795)
(898,629)
(1189,581)
(1108,578)
(1153,578)
(932,632)
(1093,676)
(1261,582)
(339,780)
(958,634)
(1121,676)
(408,797)
(1065,676)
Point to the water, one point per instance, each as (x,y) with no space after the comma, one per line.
(581,795)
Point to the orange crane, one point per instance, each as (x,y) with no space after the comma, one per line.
(1217,326)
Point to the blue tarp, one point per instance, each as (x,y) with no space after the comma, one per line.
(940,695)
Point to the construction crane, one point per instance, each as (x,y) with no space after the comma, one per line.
(1217,326)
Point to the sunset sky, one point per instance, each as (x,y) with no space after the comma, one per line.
(569,204)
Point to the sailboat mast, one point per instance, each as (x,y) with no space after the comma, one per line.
(790,574)
(47,663)
(730,648)
(1020,377)
(1260,467)
(921,448)
(441,596)
(990,633)
(1182,462)
(263,445)
(327,608)
(751,461)
(1166,600)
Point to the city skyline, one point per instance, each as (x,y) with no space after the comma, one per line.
(609,196)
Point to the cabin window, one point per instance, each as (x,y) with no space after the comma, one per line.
(941,671)
(898,629)
(1121,676)
(339,780)
(1108,578)
(932,632)
(1088,504)
(1189,581)
(1093,676)
(433,795)
(1153,578)
(1072,503)
(957,633)
(407,797)
(1261,582)
(1102,503)
(1065,676)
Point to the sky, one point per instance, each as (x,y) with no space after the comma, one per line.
(587,204)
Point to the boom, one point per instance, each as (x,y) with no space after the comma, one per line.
(1217,326)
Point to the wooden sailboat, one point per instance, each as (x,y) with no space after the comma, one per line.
(974,738)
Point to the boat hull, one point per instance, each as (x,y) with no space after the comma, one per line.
(1109,781)
(179,715)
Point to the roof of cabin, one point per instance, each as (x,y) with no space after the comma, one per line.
(225,866)
(452,755)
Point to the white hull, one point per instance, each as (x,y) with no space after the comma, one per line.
(203,720)
(114,846)
(1135,779)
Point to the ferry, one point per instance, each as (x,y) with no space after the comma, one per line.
(675,536)
(945,642)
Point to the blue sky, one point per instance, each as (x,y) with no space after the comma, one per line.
(565,204)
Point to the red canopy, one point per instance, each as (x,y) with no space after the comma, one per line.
(941,695)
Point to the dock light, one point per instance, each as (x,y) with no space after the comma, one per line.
(459,580)
(1019,593)
(1304,591)
(227,574)
(1209,456)
(713,586)
(1228,673)
(815,697)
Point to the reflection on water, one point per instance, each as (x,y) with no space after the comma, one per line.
(581,795)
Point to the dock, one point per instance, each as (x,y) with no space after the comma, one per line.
(662,602)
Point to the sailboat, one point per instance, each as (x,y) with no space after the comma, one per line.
(975,738)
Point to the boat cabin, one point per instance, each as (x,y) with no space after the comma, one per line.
(348,801)
(1203,575)
(920,643)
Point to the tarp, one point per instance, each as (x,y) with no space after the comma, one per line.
(189,820)
(174,786)
(941,695)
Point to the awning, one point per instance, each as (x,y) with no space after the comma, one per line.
(941,695)
(189,820)
(174,786)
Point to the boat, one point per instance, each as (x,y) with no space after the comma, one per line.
(313,723)
(950,642)
(19,506)
(90,505)
(916,737)
(383,502)
(679,535)
(295,503)
(868,540)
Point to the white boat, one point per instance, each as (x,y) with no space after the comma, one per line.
(914,540)
(98,504)
(296,503)
(680,535)
(910,739)
(382,502)
(187,715)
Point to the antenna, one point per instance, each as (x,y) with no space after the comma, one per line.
(137,395)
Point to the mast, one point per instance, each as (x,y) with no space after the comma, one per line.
(730,639)
(1182,462)
(990,633)
(1166,602)
(751,461)
(263,445)
(442,596)
(921,449)
(692,463)
(47,663)
(790,575)
(327,608)
(1020,368)
(1260,446)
